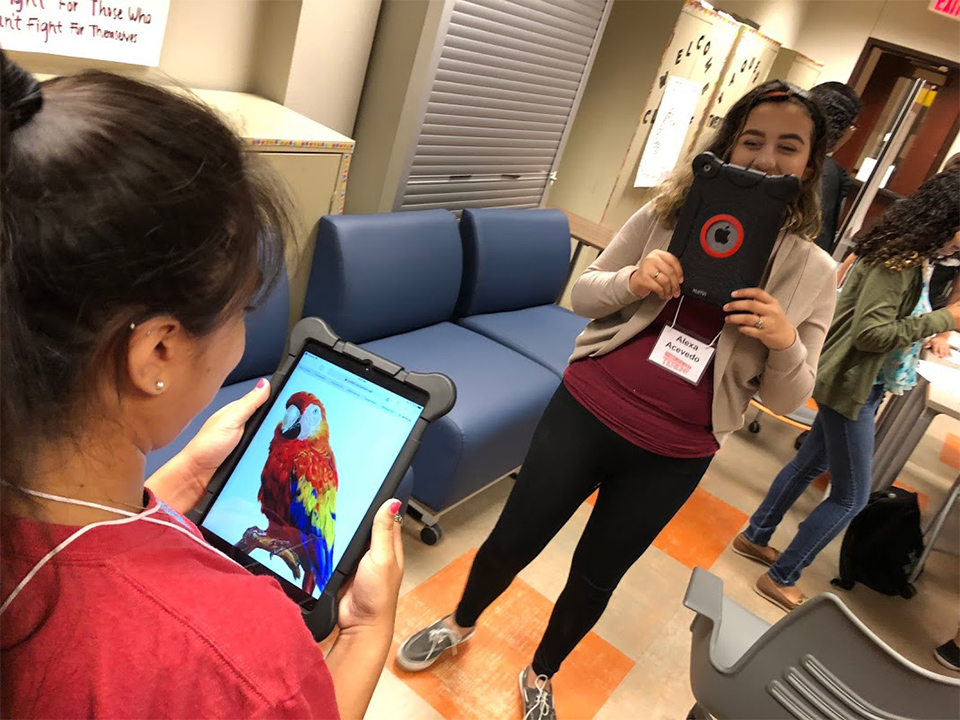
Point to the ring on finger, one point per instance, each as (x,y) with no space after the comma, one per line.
(759,323)
(656,275)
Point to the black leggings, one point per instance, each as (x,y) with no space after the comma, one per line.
(573,453)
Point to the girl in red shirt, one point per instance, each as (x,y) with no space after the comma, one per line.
(132,241)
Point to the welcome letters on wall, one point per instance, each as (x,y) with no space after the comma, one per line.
(127,32)
(683,89)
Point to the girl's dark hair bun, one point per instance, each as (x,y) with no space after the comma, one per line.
(20,95)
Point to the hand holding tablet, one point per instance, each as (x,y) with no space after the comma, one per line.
(298,497)
(659,273)
(760,316)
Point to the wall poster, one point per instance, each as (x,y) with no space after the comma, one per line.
(127,31)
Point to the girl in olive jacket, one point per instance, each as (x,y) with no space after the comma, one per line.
(873,318)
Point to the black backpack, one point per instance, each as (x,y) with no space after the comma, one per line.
(883,544)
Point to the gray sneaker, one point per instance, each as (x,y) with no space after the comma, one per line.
(423,649)
(538,701)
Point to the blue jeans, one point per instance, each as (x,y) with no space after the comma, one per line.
(845,447)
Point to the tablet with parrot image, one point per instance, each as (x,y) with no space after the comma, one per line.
(305,482)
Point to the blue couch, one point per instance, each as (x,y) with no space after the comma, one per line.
(397,283)
(516,264)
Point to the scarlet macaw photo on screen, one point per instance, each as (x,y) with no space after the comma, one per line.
(298,494)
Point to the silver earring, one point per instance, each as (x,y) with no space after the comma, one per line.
(160,385)
(133,326)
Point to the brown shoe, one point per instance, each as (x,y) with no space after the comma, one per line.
(765,555)
(769,590)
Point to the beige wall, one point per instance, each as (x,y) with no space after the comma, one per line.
(391,104)
(834,33)
(310,55)
(330,60)
(779,20)
(277,22)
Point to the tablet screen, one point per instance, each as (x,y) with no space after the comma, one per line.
(298,494)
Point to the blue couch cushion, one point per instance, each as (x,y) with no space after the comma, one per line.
(267,325)
(545,334)
(500,398)
(512,259)
(380,275)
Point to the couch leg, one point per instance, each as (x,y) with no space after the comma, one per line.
(698,713)
(431,534)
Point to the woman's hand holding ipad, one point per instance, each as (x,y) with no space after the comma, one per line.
(660,272)
(760,316)
(369,599)
(305,489)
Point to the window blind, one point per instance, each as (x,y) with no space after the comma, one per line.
(506,84)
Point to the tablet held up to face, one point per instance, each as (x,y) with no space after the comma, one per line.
(728,227)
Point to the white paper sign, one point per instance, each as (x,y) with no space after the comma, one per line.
(663,148)
(127,31)
(681,354)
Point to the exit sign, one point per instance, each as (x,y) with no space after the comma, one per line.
(950,8)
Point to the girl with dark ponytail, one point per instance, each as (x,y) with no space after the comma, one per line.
(131,242)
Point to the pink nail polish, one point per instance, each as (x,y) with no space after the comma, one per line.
(394,507)
(260,385)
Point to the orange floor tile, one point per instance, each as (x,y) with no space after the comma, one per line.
(481,681)
(950,454)
(701,530)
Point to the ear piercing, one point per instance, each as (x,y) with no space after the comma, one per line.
(160,385)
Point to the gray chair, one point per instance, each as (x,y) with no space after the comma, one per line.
(819,661)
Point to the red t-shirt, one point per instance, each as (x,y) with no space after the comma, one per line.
(646,403)
(139,621)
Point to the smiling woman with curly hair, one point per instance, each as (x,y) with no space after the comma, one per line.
(873,318)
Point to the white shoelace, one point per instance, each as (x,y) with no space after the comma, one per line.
(542,702)
(438,634)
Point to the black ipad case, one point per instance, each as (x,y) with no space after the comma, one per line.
(728,226)
(442,393)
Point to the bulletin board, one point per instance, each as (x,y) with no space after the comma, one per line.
(748,65)
(129,32)
(695,57)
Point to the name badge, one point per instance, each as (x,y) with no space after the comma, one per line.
(681,354)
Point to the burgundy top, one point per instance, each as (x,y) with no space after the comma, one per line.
(646,403)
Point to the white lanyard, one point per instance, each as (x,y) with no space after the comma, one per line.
(677,314)
(129,518)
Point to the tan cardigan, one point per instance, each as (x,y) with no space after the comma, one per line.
(801,278)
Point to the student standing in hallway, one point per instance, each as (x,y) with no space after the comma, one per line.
(873,318)
(841,105)
(636,431)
